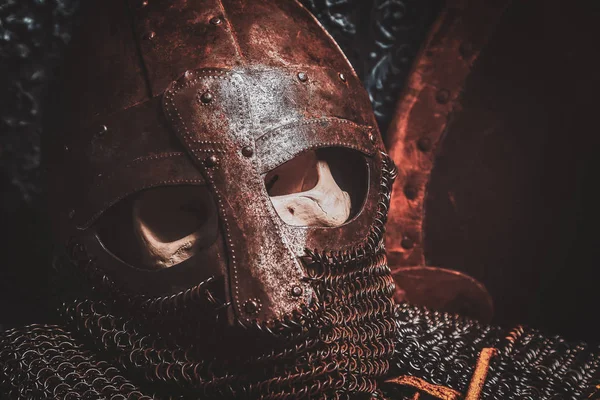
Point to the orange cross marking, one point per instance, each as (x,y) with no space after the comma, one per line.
(445,393)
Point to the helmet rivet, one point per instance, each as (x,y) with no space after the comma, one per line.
(342,77)
(247,151)
(372,138)
(211,161)
(424,144)
(302,76)
(297,291)
(206,97)
(216,21)
(149,35)
(251,307)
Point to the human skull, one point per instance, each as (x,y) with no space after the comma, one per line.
(172,224)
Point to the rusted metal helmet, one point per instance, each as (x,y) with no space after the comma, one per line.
(214,94)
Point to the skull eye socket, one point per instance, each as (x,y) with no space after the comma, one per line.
(297,175)
(172,213)
(321,188)
(160,227)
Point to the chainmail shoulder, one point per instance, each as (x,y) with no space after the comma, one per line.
(47,362)
(444,349)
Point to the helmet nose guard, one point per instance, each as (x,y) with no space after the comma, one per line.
(214,115)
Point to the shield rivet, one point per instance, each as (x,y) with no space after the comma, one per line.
(411,192)
(216,21)
(424,144)
(407,243)
(149,35)
(442,96)
(342,77)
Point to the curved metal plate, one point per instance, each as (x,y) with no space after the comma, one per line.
(432,94)
(443,290)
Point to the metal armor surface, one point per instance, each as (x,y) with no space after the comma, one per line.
(209,94)
(218,93)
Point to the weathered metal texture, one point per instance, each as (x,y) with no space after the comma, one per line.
(443,289)
(168,93)
(380,39)
(431,95)
(263,251)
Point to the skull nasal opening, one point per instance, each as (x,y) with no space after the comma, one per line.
(326,187)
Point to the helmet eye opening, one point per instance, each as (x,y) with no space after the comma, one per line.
(160,227)
(326,187)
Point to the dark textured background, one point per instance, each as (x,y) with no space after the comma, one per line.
(512,198)
(33,34)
